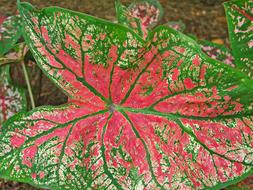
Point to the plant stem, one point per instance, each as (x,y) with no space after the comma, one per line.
(5,61)
(28,84)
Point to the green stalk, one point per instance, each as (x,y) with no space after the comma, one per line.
(5,61)
(28,84)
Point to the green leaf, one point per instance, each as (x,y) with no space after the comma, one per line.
(240,25)
(10,32)
(246,184)
(217,51)
(126,19)
(142,114)
(177,25)
(12,97)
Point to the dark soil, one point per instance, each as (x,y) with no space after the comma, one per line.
(203,18)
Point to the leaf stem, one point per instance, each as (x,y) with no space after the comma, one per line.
(5,61)
(28,84)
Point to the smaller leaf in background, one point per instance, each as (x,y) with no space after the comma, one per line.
(13,56)
(10,32)
(12,98)
(177,25)
(2,18)
(217,51)
(126,19)
(140,15)
(246,184)
(240,25)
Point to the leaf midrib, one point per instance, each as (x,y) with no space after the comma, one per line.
(172,116)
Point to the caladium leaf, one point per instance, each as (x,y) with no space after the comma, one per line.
(142,114)
(246,184)
(10,32)
(2,18)
(240,24)
(177,25)
(213,50)
(12,97)
(141,15)
(124,17)
(217,51)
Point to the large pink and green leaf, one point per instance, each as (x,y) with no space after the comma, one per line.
(240,24)
(142,114)
(12,97)
(10,32)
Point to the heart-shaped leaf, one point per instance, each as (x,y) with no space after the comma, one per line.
(217,51)
(246,184)
(142,114)
(12,97)
(141,15)
(240,24)
(177,25)
(10,32)
(2,19)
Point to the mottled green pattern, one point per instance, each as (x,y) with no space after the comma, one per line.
(12,98)
(126,19)
(217,51)
(141,15)
(240,23)
(177,25)
(10,32)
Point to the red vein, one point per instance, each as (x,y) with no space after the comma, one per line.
(243,13)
